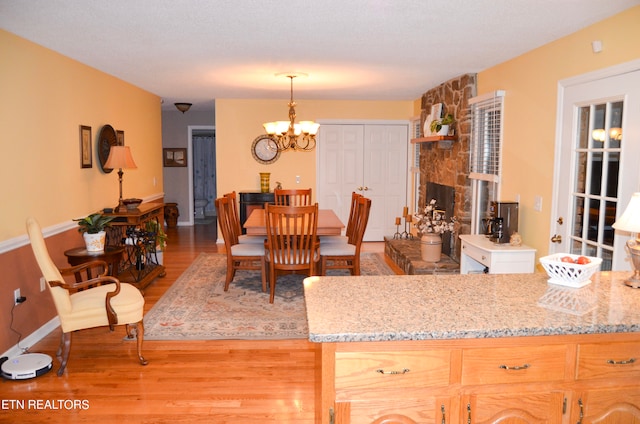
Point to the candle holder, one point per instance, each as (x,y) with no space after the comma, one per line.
(397,235)
(406,234)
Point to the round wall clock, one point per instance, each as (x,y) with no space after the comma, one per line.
(264,149)
(106,139)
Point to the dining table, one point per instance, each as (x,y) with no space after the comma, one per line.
(328,223)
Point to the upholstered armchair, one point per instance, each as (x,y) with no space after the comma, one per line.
(94,302)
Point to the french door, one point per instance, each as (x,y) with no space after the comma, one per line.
(370,159)
(598,153)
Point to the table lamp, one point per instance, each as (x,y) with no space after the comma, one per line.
(630,221)
(120,157)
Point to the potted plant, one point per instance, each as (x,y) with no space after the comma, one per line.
(441,126)
(160,239)
(92,229)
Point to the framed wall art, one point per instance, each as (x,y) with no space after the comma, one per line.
(175,156)
(86,157)
(120,137)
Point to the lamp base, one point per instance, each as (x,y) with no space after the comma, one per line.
(633,281)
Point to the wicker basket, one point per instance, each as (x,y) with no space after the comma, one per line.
(568,274)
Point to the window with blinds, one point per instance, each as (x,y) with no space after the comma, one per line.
(486,136)
(485,155)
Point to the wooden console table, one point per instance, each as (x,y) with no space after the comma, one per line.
(139,265)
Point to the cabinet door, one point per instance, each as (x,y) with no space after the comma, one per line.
(515,407)
(608,406)
(426,410)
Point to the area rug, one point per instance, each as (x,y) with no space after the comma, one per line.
(196,307)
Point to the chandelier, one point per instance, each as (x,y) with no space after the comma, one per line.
(288,135)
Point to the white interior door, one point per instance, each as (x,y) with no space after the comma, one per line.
(370,159)
(597,166)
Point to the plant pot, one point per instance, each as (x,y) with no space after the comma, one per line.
(444,130)
(95,242)
(431,247)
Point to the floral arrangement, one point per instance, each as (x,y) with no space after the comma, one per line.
(433,220)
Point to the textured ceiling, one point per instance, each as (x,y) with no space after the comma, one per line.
(199,50)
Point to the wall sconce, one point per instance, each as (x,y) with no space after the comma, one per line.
(630,221)
(183,107)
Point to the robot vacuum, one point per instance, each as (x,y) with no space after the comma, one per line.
(26,366)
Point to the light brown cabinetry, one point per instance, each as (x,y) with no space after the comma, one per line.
(547,379)
(608,390)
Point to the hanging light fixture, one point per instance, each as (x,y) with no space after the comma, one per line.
(291,136)
(183,107)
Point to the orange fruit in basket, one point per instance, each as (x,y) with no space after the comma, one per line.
(583,260)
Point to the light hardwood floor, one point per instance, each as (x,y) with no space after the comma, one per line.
(228,381)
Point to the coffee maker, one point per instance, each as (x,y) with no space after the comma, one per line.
(504,221)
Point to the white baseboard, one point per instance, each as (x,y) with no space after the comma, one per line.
(33,338)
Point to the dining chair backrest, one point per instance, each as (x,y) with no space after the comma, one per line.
(226,221)
(235,215)
(292,197)
(291,236)
(361,220)
(352,213)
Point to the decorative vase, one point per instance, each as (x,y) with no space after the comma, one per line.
(171,214)
(444,130)
(95,242)
(431,247)
(264,182)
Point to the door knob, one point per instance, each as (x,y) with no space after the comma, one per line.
(365,188)
(557,238)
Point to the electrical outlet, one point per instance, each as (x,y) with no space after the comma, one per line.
(16,296)
(43,284)
(297,179)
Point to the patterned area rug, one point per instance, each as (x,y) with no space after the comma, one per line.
(196,307)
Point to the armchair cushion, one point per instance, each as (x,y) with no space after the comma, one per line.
(88,307)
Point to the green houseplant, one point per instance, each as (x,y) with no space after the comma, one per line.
(441,126)
(92,228)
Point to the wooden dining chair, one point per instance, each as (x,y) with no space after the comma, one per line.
(350,223)
(292,245)
(246,256)
(292,197)
(347,255)
(237,227)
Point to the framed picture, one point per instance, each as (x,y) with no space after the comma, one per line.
(175,156)
(436,111)
(86,157)
(120,137)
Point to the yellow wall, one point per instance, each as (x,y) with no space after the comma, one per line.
(531,82)
(45,98)
(239,122)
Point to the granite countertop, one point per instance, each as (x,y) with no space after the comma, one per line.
(425,307)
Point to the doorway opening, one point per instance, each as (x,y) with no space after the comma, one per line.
(202,174)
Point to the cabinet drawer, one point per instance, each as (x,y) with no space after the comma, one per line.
(513,365)
(610,360)
(476,253)
(358,372)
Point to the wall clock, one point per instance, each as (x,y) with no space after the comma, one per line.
(106,139)
(264,149)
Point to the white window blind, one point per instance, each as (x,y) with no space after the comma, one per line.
(486,136)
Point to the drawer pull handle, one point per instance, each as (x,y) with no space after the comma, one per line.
(627,362)
(404,371)
(515,368)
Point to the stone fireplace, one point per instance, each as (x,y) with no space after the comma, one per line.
(447,165)
(445,201)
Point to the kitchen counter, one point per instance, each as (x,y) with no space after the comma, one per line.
(429,307)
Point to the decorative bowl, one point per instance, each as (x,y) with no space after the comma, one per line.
(567,273)
(132,204)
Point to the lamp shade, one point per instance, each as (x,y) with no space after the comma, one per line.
(120,157)
(630,219)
